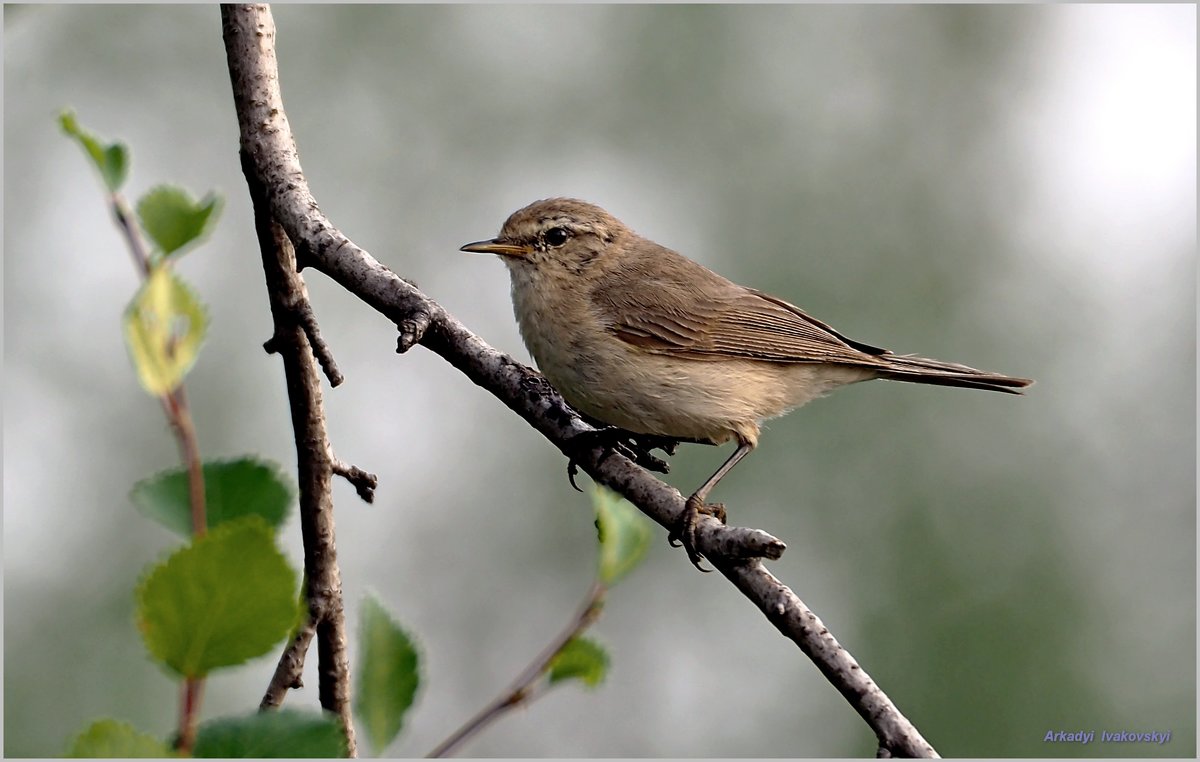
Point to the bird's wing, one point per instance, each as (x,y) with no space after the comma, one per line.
(690,311)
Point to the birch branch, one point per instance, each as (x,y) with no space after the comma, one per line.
(736,552)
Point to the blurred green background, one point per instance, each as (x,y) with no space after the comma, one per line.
(1009,187)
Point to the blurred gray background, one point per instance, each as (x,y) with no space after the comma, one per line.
(1009,187)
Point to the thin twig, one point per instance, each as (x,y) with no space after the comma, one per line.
(303,314)
(271,151)
(524,688)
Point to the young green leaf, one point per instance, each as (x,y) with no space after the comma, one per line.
(226,598)
(232,488)
(580,659)
(625,535)
(112,160)
(165,325)
(283,733)
(387,676)
(173,219)
(110,738)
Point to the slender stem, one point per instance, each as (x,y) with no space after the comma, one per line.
(175,406)
(185,430)
(525,688)
(175,401)
(189,713)
(133,235)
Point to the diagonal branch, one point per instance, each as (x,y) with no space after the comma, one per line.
(269,147)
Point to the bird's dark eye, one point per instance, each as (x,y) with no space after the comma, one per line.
(556,237)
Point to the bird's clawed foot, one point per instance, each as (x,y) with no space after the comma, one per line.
(636,447)
(684,532)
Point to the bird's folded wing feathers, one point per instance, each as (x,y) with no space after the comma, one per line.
(722,320)
(715,319)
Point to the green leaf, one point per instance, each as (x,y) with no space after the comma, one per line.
(387,676)
(165,325)
(232,488)
(625,535)
(116,165)
(173,219)
(110,738)
(112,160)
(226,598)
(283,733)
(580,659)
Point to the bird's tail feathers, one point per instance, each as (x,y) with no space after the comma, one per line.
(921,370)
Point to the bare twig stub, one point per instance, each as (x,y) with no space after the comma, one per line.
(290,668)
(364,482)
(270,149)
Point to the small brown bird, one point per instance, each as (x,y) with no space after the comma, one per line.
(640,337)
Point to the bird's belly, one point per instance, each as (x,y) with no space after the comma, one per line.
(697,399)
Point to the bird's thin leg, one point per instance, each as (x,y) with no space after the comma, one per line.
(685,533)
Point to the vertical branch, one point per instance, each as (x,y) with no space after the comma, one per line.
(315,461)
(250,32)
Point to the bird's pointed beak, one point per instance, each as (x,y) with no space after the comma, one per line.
(497,246)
